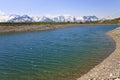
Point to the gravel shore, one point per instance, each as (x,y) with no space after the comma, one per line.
(109,69)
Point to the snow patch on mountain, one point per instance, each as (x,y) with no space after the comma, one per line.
(65,19)
(24,18)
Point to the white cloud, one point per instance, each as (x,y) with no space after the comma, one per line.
(4,17)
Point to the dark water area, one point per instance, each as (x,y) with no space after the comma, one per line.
(62,54)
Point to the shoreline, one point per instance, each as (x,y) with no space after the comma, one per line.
(108,69)
(40,27)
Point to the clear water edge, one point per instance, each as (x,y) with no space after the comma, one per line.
(49,54)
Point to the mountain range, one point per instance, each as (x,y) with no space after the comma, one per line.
(27,18)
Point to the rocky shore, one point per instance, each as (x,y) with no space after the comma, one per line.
(109,69)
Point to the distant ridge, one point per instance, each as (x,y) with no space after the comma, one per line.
(27,18)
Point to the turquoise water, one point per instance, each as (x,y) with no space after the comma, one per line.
(62,54)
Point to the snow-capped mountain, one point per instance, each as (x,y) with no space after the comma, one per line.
(90,18)
(27,18)
(24,18)
(65,19)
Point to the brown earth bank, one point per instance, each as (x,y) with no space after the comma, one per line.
(109,69)
(25,28)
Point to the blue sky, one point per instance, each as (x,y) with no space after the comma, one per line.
(100,8)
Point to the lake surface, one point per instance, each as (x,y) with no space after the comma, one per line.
(62,54)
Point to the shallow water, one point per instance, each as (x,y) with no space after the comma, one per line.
(62,54)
